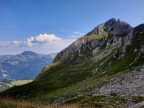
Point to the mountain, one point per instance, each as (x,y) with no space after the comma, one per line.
(24,66)
(101,38)
(104,67)
(4,57)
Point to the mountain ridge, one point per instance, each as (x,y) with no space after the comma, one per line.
(20,65)
(93,70)
(122,28)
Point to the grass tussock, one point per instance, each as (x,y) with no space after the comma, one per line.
(9,103)
(50,66)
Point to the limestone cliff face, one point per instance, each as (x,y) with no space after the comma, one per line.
(113,33)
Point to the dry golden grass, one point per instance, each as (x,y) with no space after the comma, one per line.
(93,37)
(50,66)
(9,103)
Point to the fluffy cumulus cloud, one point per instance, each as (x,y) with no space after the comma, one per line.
(42,38)
(43,43)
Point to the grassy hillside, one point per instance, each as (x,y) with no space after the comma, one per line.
(7,103)
(70,82)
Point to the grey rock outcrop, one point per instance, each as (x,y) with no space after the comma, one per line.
(115,30)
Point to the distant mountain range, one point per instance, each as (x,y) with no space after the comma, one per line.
(6,83)
(23,66)
(4,57)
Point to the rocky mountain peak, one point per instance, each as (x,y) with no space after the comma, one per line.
(118,27)
(102,37)
(110,22)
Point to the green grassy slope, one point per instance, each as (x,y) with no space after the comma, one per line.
(62,78)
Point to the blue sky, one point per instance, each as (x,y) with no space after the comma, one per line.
(61,20)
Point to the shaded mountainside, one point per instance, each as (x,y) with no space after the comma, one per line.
(104,67)
(4,57)
(24,66)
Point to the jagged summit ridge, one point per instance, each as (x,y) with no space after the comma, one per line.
(120,27)
(105,35)
(102,27)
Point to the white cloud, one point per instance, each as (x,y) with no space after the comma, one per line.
(15,42)
(78,33)
(43,44)
(42,38)
(29,41)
